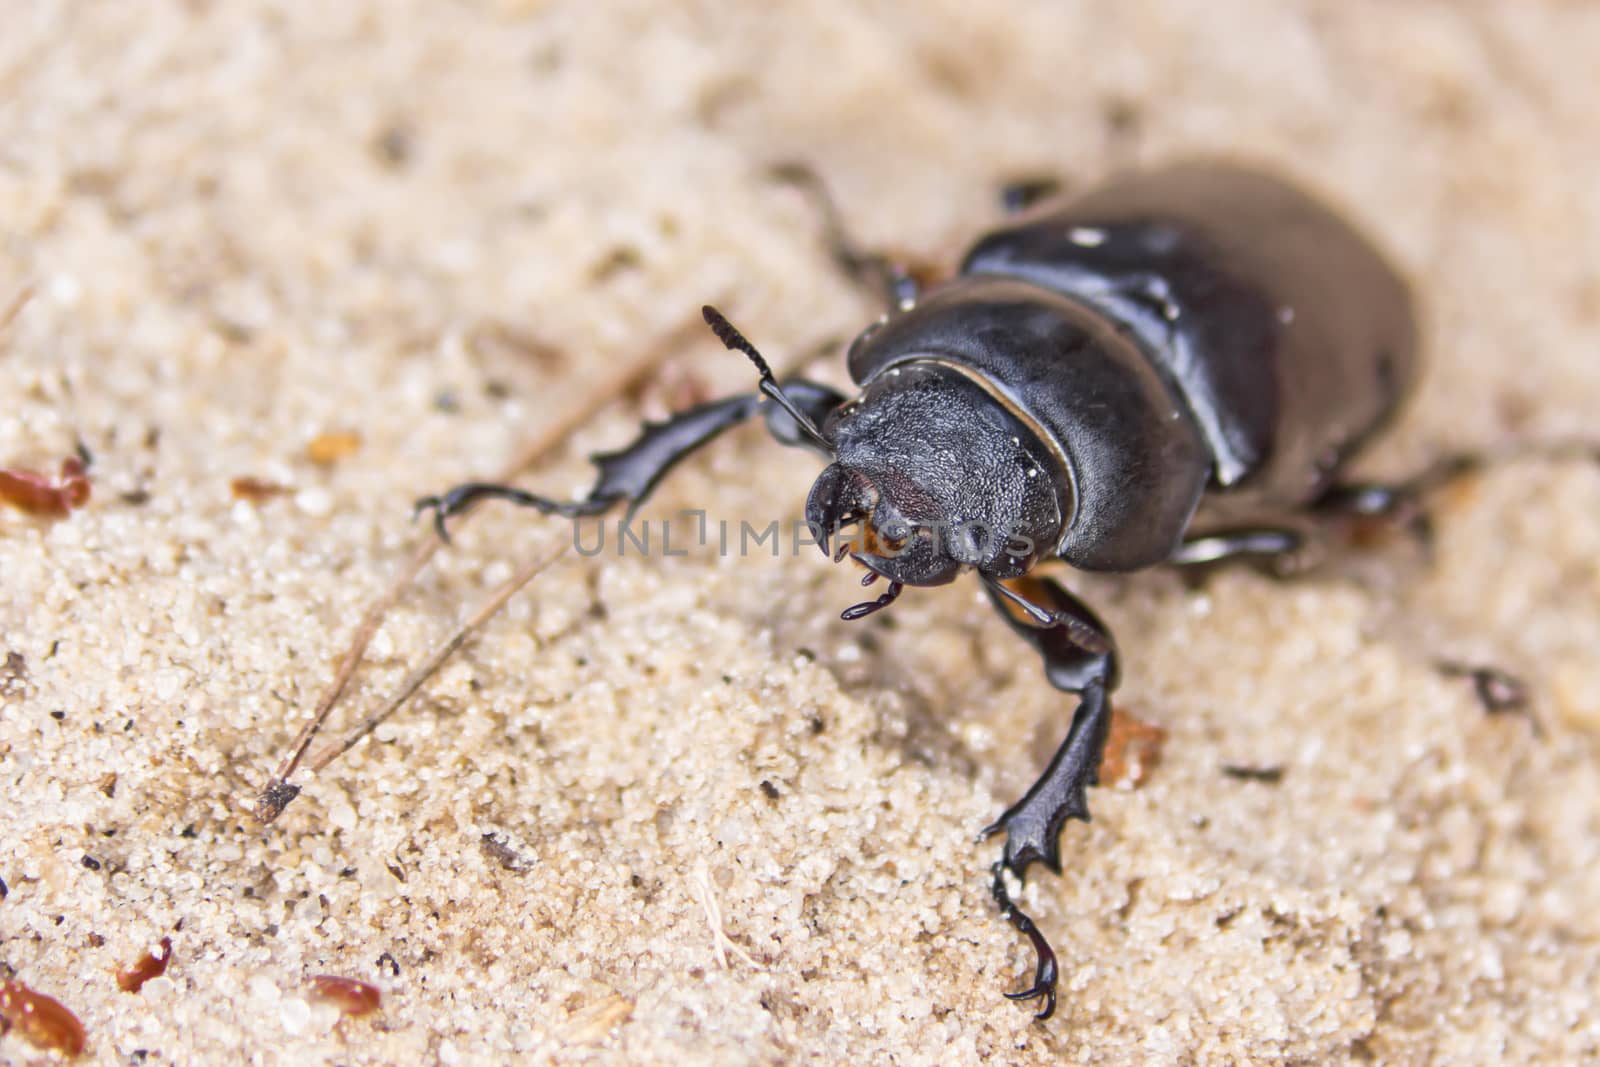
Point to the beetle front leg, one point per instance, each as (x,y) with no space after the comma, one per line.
(1079,657)
(631,474)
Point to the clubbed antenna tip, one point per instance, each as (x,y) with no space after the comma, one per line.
(735,341)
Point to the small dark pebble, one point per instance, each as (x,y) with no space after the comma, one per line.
(1268,775)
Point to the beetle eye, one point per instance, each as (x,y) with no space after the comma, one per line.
(882,541)
(894,538)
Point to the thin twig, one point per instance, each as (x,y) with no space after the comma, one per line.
(279,792)
(352,657)
(13,309)
(415,679)
(721,943)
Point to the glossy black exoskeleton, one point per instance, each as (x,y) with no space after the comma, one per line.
(1172,369)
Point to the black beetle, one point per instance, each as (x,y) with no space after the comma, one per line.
(1173,368)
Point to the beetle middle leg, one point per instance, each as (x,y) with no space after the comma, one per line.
(1403,503)
(1261,544)
(873,270)
(1019,195)
(632,473)
(1079,657)
(1406,501)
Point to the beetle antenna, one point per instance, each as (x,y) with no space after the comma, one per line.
(729,335)
(1085,637)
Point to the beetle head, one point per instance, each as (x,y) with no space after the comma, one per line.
(933,476)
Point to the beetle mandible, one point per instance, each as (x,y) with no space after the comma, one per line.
(1172,368)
